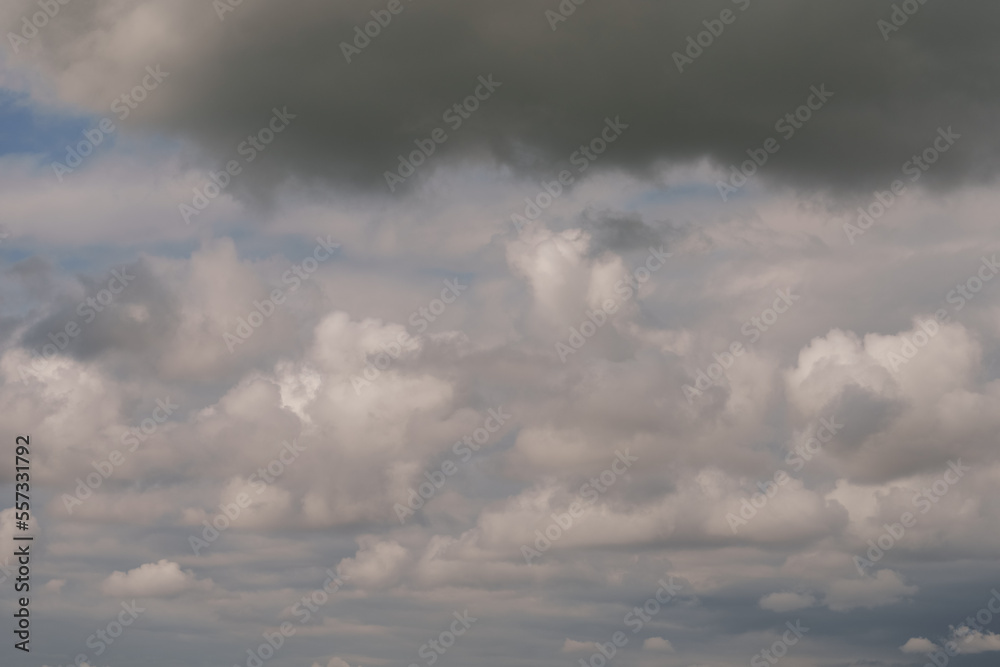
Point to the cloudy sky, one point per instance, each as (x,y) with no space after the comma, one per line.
(452,332)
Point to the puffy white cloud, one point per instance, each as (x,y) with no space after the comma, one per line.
(976,641)
(782,602)
(885,588)
(573,646)
(55,585)
(918,645)
(657,644)
(161,579)
(377,564)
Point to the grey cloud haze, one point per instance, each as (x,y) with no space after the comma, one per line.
(805,392)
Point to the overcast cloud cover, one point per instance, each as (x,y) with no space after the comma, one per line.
(687,329)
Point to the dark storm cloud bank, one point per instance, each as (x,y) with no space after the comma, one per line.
(606,60)
(96,321)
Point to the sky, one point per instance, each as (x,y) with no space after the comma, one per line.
(452,332)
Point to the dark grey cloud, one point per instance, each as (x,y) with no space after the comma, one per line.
(100,315)
(558,87)
(618,232)
(864,414)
